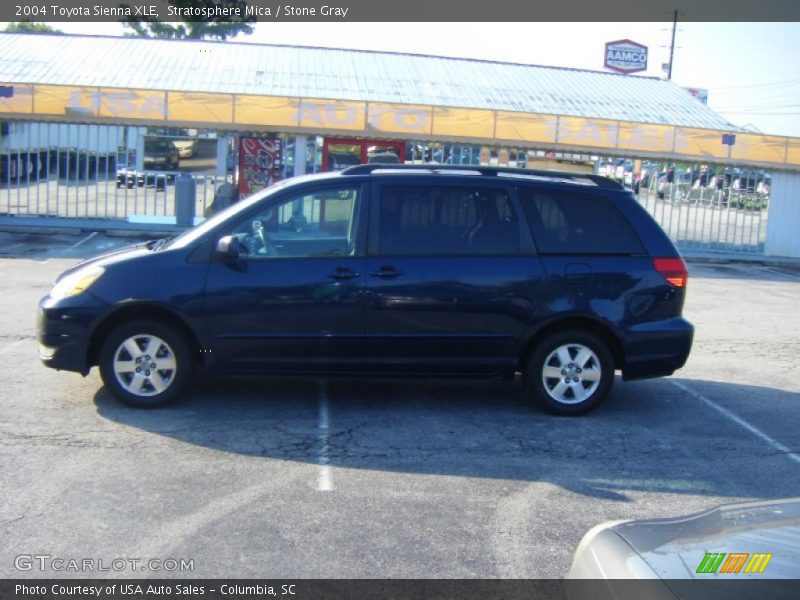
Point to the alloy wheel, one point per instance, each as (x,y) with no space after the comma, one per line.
(571,373)
(144,365)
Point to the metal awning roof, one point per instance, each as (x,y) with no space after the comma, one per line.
(292,71)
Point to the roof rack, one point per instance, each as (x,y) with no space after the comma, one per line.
(598,180)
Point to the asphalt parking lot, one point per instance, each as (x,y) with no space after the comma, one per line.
(301,478)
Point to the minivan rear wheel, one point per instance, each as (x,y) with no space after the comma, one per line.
(570,373)
(145,363)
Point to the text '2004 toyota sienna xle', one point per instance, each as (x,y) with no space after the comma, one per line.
(391,271)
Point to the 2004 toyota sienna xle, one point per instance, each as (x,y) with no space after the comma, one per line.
(388,270)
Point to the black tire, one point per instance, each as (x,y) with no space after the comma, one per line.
(170,348)
(599,368)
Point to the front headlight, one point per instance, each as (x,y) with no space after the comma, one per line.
(75,283)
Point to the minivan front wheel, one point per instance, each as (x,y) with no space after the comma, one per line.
(145,363)
(570,373)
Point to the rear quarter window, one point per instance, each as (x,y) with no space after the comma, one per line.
(566,222)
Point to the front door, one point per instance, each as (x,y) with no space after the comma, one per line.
(453,282)
(294,303)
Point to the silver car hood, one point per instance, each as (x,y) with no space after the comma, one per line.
(674,548)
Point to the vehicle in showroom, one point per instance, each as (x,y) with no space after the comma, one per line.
(186,148)
(161,153)
(388,270)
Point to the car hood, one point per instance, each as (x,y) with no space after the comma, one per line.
(674,548)
(108,258)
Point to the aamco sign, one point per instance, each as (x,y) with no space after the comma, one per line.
(626,56)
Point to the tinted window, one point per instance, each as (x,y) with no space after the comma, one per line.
(575,223)
(321,223)
(158,146)
(446,220)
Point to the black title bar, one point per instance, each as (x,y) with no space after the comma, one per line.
(705,588)
(404,11)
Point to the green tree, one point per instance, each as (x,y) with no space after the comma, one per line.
(31,27)
(196,26)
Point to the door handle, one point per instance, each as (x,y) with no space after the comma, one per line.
(386,273)
(343,273)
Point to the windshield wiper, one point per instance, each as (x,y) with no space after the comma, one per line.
(155,245)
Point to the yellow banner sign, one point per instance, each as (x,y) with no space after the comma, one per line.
(96,102)
(59,100)
(200,108)
(16,99)
(406,121)
(131,104)
(331,114)
(699,143)
(266,110)
(595,133)
(399,118)
(793,152)
(644,137)
(463,123)
(525,127)
(763,148)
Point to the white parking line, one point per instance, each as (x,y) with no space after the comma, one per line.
(781,273)
(324,476)
(752,429)
(81,242)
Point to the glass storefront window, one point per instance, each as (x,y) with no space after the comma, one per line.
(383,154)
(341,156)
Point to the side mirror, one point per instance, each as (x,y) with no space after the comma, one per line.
(230,249)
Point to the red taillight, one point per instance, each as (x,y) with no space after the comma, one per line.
(673,270)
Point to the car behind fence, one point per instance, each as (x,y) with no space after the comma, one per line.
(59,173)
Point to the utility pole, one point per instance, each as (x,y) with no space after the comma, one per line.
(672,45)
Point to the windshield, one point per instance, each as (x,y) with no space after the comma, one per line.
(157,146)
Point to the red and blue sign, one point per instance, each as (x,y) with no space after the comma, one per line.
(625,56)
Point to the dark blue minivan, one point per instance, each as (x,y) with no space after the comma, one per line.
(388,271)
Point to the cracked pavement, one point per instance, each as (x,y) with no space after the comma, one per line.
(429,478)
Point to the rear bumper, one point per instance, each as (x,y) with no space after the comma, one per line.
(657,348)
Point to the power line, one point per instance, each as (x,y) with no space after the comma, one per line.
(759,107)
(756,85)
(735,112)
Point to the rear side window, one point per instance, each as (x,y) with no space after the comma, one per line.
(446,221)
(575,223)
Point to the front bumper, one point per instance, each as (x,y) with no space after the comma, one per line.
(656,348)
(64,331)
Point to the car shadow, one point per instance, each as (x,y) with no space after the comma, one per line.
(755,272)
(650,436)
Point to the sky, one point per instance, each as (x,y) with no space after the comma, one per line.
(751,70)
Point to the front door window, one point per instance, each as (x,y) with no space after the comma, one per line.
(320,223)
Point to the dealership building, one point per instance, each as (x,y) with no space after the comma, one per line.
(84,121)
